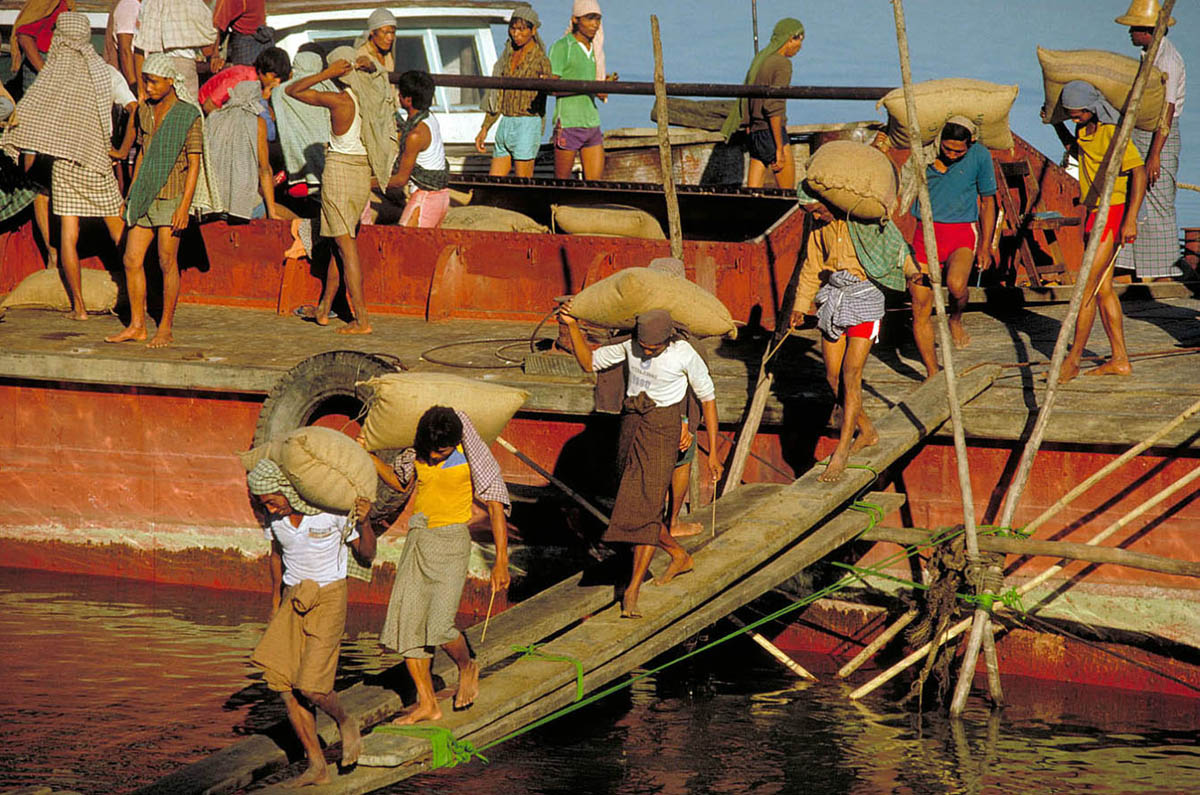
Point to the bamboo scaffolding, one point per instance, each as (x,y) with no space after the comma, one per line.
(881,640)
(935,272)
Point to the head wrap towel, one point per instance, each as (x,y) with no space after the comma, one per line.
(303,128)
(268,478)
(785,29)
(380,18)
(1082,95)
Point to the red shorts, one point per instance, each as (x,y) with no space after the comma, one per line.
(866,331)
(1112,227)
(950,238)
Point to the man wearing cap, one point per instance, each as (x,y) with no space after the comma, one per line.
(298,652)
(1155,254)
(661,365)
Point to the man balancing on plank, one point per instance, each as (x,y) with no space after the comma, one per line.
(299,649)
(661,366)
(845,264)
(453,468)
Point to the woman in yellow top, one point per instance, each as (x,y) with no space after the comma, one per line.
(453,469)
(1096,125)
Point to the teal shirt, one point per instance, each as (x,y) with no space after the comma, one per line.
(570,61)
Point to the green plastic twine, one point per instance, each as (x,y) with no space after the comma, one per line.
(534,651)
(448,751)
(1010,598)
(871,509)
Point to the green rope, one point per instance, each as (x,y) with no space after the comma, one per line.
(871,509)
(448,751)
(534,651)
(998,530)
(1010,598)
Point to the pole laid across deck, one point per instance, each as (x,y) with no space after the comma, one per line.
(732,90)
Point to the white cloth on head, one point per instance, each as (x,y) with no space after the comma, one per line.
(316,550)
(665,377)
(582,8)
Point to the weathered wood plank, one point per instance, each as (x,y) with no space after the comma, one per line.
(762,522)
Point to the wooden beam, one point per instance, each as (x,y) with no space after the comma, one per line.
(1054,549)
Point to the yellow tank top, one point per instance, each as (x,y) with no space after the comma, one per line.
(444,491)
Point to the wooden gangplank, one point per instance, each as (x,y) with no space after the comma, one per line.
(757,524)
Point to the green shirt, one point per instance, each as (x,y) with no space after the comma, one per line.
(570,61)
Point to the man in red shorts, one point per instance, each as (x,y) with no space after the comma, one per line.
(962,189)
(1096,125)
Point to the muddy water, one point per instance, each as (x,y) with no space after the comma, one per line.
(110,684)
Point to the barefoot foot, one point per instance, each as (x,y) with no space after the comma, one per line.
(351,742)
(353,328)
(685,529)
(837,466)
(80,315)
(864,440)
(161,339)
(419,714)
(680,564)
(1112,367)
(468,686)
(959,335)
(131,333)
(314,775)
(1068,372)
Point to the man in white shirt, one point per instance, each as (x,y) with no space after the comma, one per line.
(118,39)
(299,650)
(1155,254)
(660,367)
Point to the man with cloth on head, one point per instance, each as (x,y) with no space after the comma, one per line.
(765,120)
(303,128)
(379,104)
(67,115)
(961,181)
(661,365)
(579,55)
(237,134)
(298,652)
(1154,255)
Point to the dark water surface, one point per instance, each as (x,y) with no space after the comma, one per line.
(110,684)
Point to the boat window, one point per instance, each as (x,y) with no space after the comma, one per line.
(460,56)
(410,53)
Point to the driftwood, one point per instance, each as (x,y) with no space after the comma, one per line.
(1055,549)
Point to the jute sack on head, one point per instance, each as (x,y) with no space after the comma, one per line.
(617,300)
(986,104)
(855,178)
(44,290)
(326,467)
(613,220)
(1113,74)
(399,399)
(490,219)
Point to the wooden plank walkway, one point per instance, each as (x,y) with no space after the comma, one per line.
(757,523)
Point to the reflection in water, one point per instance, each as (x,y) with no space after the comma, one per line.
(110,684)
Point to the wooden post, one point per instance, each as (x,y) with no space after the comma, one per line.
(880,641)
(781,656)
(664,145)
(935,272)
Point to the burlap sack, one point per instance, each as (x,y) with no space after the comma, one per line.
(617,300)
(986,104)
(490,219)
(1113,74)
(855,178)
(326,467)
(399,399)
(613,220)
(45,290)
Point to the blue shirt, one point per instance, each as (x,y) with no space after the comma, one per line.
(954,193)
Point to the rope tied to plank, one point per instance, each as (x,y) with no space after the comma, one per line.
(1010,599)
(448,751)
(875,512)
(533,651)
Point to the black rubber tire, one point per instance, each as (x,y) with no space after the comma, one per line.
(320,385)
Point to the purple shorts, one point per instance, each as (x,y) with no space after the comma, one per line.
(573,139)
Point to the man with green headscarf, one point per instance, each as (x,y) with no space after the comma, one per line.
(765,120)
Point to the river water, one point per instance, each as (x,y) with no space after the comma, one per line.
(109,684)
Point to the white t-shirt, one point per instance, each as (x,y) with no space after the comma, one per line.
(664,378)
(125,17)
(122,96)
(1171,62)
(314,550)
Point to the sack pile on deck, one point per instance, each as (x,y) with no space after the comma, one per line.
(399,399)
(617,300)
(986,104)
(1113,74)
(326,467)
(44,290)
(855,178)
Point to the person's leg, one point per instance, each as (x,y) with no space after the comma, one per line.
(756,173)
(501,166)
(347,726)
(593,161)
(958,274)
(922,311)
(354,286)
(832,354)
(68,226)
(116,228)
(786,176)
(681,561)
(136,245)
(1114,325)
(304,723)
(41,215)
(564,161)
(168,251)
(642,555)
(857,349)
(333,283)
(680,481)
(468,672)
(523,168)
(420,669)
(1087,312)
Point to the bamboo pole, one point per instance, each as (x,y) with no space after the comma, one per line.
(881,640)
(935,272)
(783,658)
(1025,588)
(587,506)
(664,145)
(1112,466)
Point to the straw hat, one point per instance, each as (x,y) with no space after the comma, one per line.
(1142,14)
